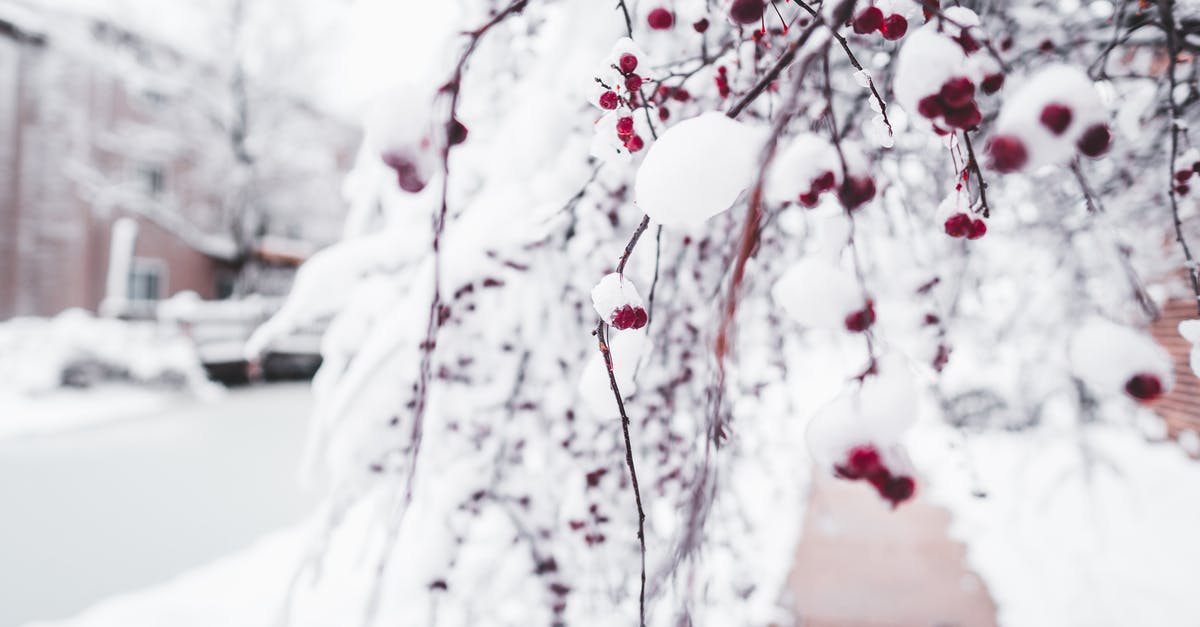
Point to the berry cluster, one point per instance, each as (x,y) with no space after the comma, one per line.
(823,183)
(1007,153)
(628,317)
(963,225)
(871,19)
(1145,387)
(610,100)
(861,320)
(1184,174)
(954,104)
(864,463)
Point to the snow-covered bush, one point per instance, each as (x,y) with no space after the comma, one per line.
(515,434)
(38,355)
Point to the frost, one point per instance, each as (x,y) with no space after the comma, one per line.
(696,170)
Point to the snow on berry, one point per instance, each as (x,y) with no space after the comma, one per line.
(816,293)
(807,168)
(1113,359)
(695,170)
(930,67)
(617,302)
(399,129)
(1053,116)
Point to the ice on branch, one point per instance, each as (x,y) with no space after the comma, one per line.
(695,170)
(618,303)
(1054,116)
(1113,359)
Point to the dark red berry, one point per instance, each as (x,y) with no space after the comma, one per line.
(898,489)
(639,317)
(633,82)
(930,107)
(855,192)
(1006,153)
(628,63)
(701,25)
(1183,175)
(964,117)
(747,11)
(1145,387)
(408,176)
(824,182)
(456,132)
(868,20)
(810,199)
(930,7)
(1046,45)
(861,462)
(682,95)
(664,113)
(1095,140)
(1182,189)
(1056,117)
(957,92)
(958,225)
(894,27)
(862,319)
(660,19)
(634,144)
(968,43)
(978,229)
(609,100)
(625,127)
(992,83)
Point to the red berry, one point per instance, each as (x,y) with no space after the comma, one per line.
(1183,175)
(634,144)
(978,229)
(1006,153)
(862,319)
(930,7)
(1182,189)
(1056,117)
(868,20)
(930,107)
(856,191)
(1046,45)
(897,489)
(968,43)
(1145,387)
(609,100)
(681,95)
(408,176)
(722,85)
(894,27)
(628,63)
(824,182)
(701,25)
(1095,140)
(964,117)
(992,83)
(747,11)
(958,225)
(456,132)
(861,462)
(957,92)
(633,82)
(664,113)
(660,19)
(810,199)
(625,127)
(639,317)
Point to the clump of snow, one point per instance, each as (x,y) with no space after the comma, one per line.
(1190,330)
(695,170)
(594,386)
(1051,113)
(399,128)
(816,293)
(1107,356)
(807,168)
(613,293)
(928,59)
(878,411)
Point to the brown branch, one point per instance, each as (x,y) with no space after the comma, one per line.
(786,59)
(1165,8)
(973,166)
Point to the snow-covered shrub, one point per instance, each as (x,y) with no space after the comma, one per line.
(500,452)
(74,348)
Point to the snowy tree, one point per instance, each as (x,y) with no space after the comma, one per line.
(614,276)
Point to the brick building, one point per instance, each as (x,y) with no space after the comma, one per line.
(111,179)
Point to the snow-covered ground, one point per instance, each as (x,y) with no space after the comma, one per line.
(174,483)
(68,409)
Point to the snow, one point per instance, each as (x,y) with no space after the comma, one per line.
(696,170)
(816,293)
(1055,84)
(878,411)
(1106,355)
(613,292)
(1190,330)
(23,415)
(926,61)
(806,158)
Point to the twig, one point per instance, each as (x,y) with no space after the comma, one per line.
(1165,8)
(973,166)
(786,59)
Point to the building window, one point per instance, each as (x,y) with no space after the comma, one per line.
(153,178)
(146,279)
